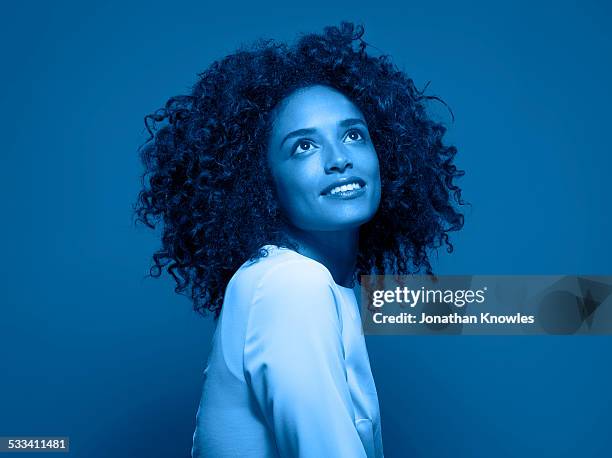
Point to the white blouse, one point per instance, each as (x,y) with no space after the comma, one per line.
(288,374)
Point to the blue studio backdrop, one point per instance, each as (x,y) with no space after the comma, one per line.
(94,350)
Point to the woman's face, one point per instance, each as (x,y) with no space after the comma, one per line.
(323,162)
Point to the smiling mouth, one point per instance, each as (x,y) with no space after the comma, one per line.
(348,189)
(345,189)
(348,194)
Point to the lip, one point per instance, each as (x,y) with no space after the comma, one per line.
(342,181)
(346,195)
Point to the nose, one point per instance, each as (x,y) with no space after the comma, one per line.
(338,160)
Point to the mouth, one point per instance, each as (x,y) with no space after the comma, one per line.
(345,188)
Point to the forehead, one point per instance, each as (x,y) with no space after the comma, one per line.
(312,107)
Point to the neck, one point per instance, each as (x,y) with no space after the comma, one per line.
(336,250)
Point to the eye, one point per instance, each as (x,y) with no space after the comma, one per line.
(303,146)
(353,135)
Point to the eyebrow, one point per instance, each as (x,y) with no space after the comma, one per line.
(351,122)
(311,130)
(298,133)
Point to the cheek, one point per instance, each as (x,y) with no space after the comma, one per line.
(374,172)
(292,188)
(373,168)
(299,179)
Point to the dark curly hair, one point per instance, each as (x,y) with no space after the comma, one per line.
(207,182)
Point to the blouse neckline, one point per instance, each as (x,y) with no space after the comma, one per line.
(276,247)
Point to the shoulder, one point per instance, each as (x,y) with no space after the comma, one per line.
(278,296)
(288,272)
(294,312)
(281,275)
(286,284)
(293,271)
(280,268)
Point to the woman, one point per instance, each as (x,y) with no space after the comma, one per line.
(288,171)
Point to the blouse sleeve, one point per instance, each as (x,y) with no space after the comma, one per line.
(294,364)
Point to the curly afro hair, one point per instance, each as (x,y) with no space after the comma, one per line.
(207,182)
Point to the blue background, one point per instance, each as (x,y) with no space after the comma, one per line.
(93,350)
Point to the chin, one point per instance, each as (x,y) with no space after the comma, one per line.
(348,223)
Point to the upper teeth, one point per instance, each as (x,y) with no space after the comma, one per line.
(345,187)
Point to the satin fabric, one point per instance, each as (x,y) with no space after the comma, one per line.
(288,374)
